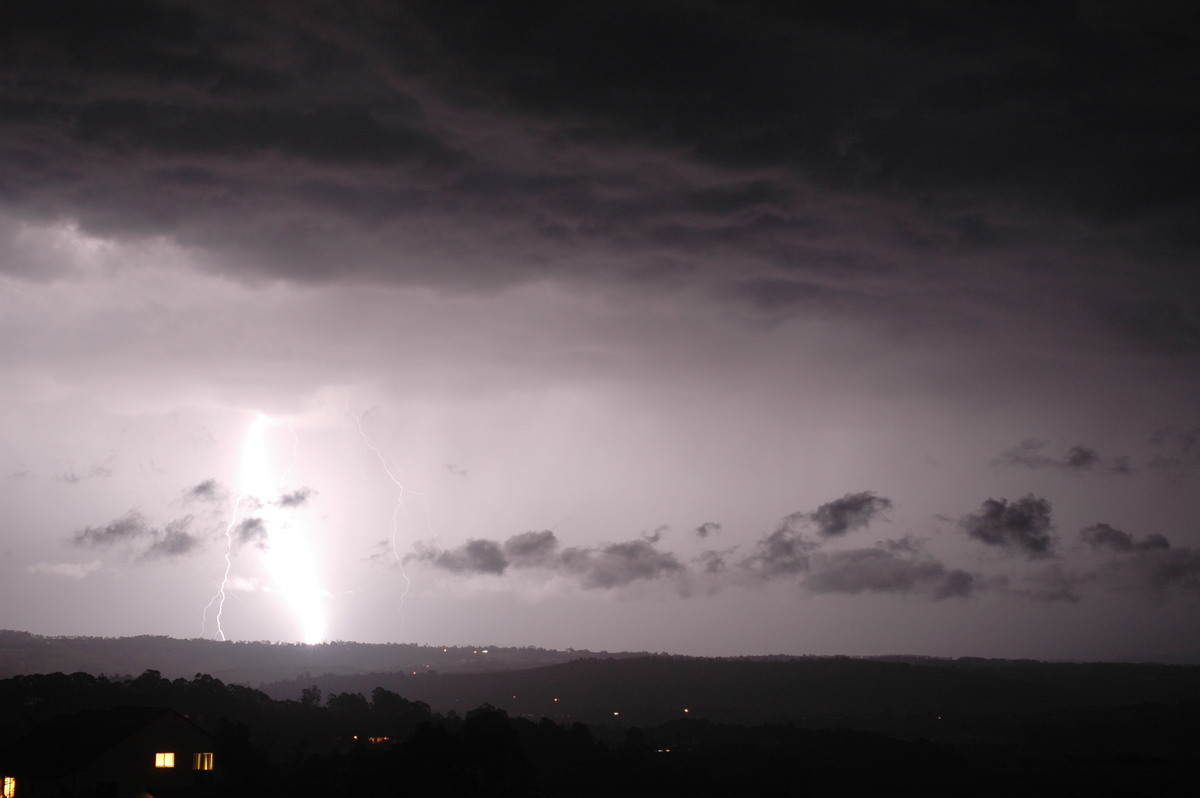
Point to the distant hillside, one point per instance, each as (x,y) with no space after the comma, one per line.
(836,691)
(918,694)
(255,663)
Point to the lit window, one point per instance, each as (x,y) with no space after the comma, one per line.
(164,760)
(10,786)
(202,761)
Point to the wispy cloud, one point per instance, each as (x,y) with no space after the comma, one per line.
(1077,459)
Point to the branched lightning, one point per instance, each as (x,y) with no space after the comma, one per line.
(397,508)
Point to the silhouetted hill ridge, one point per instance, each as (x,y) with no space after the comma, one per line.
(628,688)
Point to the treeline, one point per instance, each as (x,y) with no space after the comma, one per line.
(380,743)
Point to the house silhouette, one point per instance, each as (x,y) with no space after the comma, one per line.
(124,752)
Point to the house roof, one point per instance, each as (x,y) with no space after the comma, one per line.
(86,735)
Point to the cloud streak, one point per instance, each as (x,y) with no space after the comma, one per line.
(1078,459)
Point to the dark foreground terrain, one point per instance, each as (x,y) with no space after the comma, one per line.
(657,725)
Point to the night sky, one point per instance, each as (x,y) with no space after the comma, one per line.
(700,327)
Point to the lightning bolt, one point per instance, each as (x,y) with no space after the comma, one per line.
(219,597)
(397,508)
(253,467)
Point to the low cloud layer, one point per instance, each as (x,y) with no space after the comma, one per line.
(803,550)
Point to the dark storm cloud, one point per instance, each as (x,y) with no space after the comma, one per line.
(1019,527)
(884,569)
(707,528)
(296,498)
(1076,460)
(1177,450)
(1103,536)
(852,511)
(854,93)
(251,530)
(456,470)
(314,147)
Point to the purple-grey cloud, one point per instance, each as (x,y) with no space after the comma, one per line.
(1103,536)
(707,528)
(605,566)
(132,529)
(1153,572)
(529,549)
(784,552)
(251,530)
(474,556)
(1177,450)
(883,569)
(1019,527)
(619,564)
(295,498)
(852,511)
(174,541)
(1050,583)
(128,527)
(208,490)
